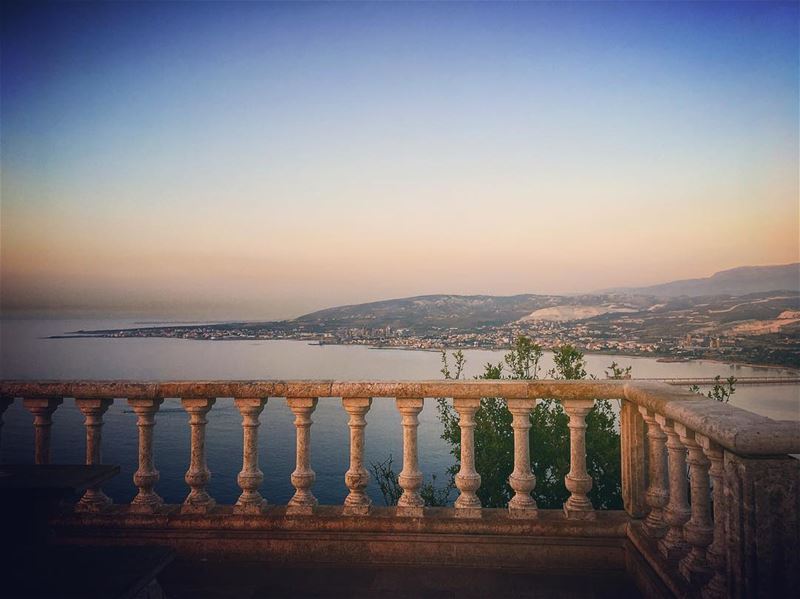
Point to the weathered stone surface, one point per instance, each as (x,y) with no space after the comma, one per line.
(303,502)
(762,503)
(673,545)
(357,502)
(251,477)
(198,501)
(410,503)
(657,492)
(468,481)
(522,479)
(42,410)
(632,452)
(146,476)
(93,409)
(578,481)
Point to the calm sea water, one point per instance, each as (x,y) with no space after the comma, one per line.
(26,353)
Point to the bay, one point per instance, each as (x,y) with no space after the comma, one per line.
(26,352)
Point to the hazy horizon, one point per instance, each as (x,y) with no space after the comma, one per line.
(263,160)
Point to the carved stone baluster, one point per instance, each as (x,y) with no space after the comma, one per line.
(410,503)
(522,480)
(198,501)
(657,493)
(303,502)
(632,447)
(4,403)
(93,500)
(578,482)
(672,545)
(468,481)
(717,586)
(698,531)
(357,502)
(147,501)
(42,410)
(251,477)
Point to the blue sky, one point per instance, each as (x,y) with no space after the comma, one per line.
(274,157)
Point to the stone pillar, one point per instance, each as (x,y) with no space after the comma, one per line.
(716,588)
(357,502)
(762,507)
(4,403)
(468,480)
(632,450)
(93,500)
(522,480)
(672,545)
(303,502)
(198,501)
(578,482)
(147,501)
(251,477)
(42,410)
(657,493)
(698,531)
(410,503)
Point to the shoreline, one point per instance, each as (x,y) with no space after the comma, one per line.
(792,371)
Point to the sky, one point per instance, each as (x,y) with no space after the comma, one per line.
(261,160)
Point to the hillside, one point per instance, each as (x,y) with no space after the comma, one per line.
(736,281)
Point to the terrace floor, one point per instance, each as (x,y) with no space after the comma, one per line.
(207,579)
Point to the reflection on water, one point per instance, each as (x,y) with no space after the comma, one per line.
(25,353)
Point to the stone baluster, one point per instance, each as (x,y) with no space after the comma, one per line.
(657,493)
(522,480)
(93,500)
(410,503)
(42,410)
(698,531)
(357,502)
(198,501)
(147,501)
(468,481)
(578,482)
(672,545)
(303,502)
(717,586)
(251,477)
(632,448)
(4,403)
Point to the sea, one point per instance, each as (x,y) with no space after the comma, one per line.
(28,352)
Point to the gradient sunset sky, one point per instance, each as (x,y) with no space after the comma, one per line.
(260,160)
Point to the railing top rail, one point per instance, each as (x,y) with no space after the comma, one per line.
(737,430)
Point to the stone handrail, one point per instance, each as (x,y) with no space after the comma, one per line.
(710,486)
(736,430)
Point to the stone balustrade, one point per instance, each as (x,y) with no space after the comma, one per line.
(710,491)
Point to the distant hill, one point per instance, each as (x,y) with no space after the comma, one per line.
(426,311)
(736,281)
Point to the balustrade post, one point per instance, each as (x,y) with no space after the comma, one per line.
(468,481)
(357,502)
(198,501)
(145,478)
(698,531)
(717,586)
(657,493)
(251,477)
(93,500)
(410,503)
(632,448)
(303,502)
(762,525)
(578,482)
(522,479)
(42,410)
(4,403)
(673,545)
